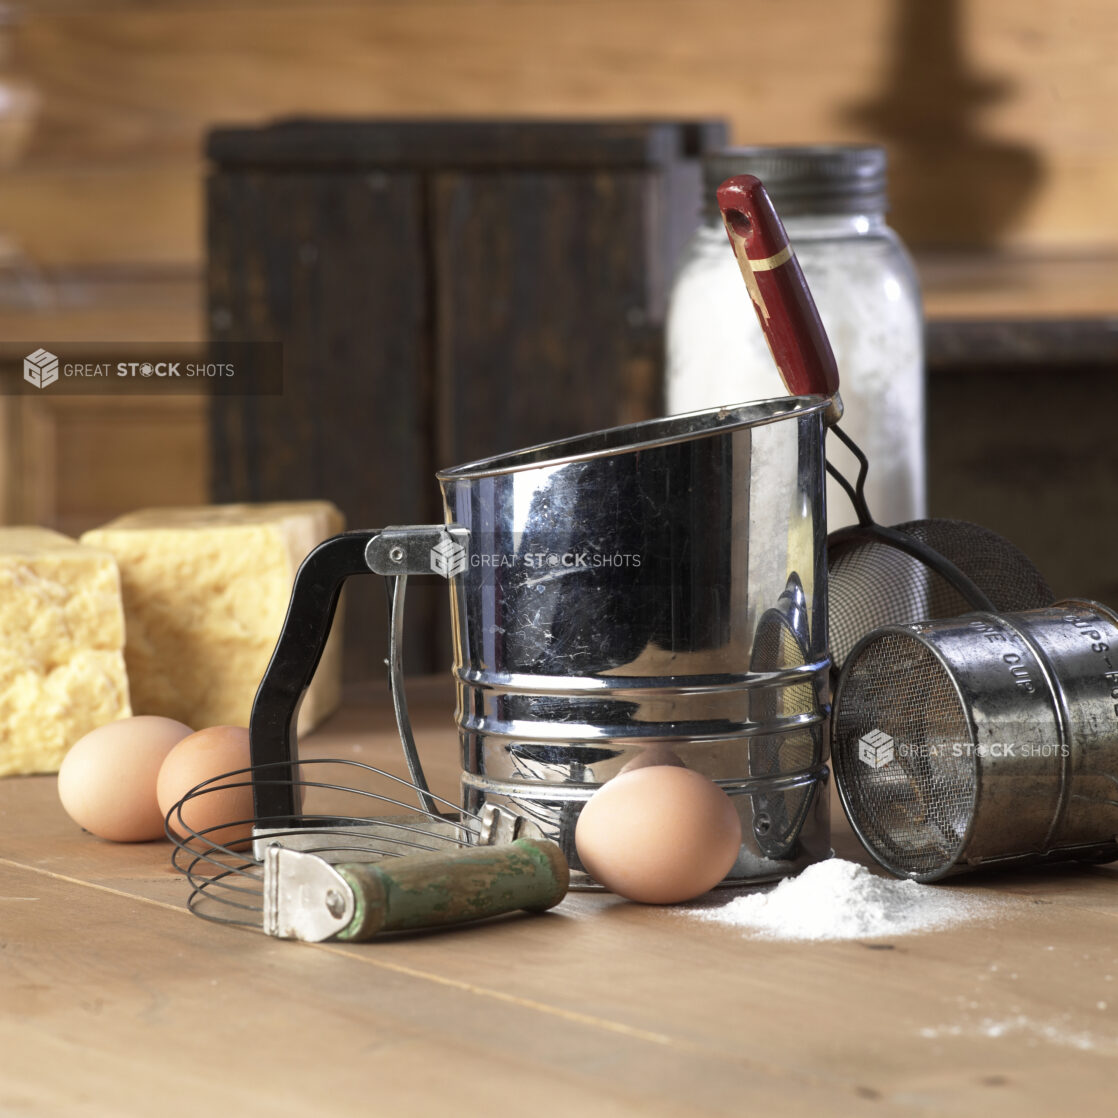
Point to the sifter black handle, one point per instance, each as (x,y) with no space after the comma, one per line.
(275,710)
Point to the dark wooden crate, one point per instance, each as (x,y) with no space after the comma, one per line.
(444,291)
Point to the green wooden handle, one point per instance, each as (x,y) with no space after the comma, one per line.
(432,890)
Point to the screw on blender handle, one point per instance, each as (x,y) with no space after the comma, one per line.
(779,292)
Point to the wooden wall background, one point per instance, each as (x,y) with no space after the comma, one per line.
(999,109)
(998,114)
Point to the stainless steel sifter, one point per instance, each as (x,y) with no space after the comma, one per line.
(987,740)
(655,586)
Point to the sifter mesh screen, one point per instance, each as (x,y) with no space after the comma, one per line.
(872,583)
(903,756)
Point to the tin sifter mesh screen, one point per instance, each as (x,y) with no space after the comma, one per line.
(873,583)
(903,756)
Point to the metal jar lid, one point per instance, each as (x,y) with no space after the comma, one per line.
(807,179)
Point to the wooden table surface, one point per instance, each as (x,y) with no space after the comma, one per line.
(114,1000)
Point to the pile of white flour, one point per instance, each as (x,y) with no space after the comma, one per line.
(843,900)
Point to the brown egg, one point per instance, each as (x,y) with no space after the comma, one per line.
(658,834)
(203,756)
(107,780)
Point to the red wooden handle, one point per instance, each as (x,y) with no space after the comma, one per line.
(779,291)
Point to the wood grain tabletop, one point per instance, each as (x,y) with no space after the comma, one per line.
(115,1000)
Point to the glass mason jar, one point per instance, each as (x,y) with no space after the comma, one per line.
(832,201)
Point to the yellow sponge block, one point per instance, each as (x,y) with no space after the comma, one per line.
(61,647)
(206,590)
